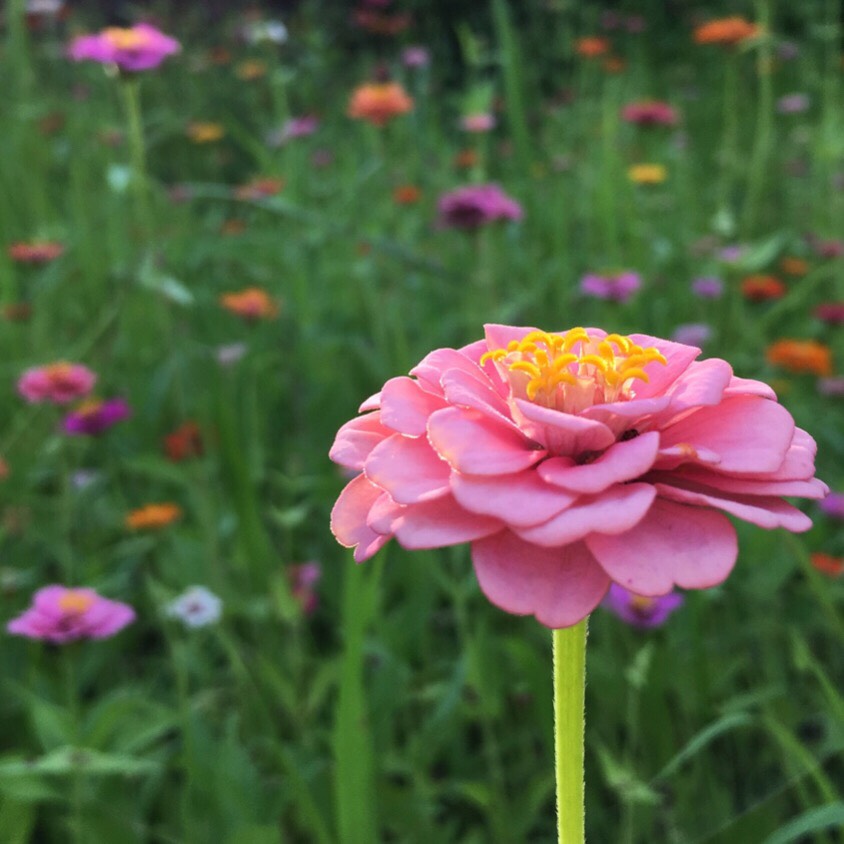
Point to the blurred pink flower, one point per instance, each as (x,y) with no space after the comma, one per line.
(59,383)
(94,416)
(415,56)
(479,122)
(650,113)
(59,614)
(638,610)
(473,206)
(303,580)
(615,287)
(833,505)
(571,461)
(294,127)
(140,47)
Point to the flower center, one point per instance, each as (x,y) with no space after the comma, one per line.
(75,602)
(641,605)
(575,370)
(58,373)
(126,39)
(89,408)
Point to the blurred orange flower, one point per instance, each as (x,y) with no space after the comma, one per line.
(252,304)
(184,442)
(16,311)
(794,266)
(591,47)
(727,31)
(406,195)
(827,564)
(35,252)
(153,516)
(203,132)
(801,356)
(466,158)
(259,188)
(233,227)
(250,69)
(614,64)
(759,288)
(378,102)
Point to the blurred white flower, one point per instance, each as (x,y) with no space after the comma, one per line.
(196,607)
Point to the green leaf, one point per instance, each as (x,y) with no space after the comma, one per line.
(67,760)
(823,817)
(17,819)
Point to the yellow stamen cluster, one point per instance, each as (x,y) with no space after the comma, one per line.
(126,39)
(75,602)
(576,369)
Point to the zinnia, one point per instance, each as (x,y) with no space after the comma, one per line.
(379,102)
(140,47)
(153,516)
(94,416)
(726,31)
(638,610)
(614,287)
(801,356)
(252,304)
(570,461)
(59,614)
(473,206)
(35,252)
(59,382)
(649,113)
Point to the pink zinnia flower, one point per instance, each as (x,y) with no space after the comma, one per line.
(59,383)
(478,122)
(94,416)
(639,610)
(650,113)
(59,614)
(473,206)
(571,461)
(615,287)
(140,47)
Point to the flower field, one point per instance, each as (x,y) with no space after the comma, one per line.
(349,350)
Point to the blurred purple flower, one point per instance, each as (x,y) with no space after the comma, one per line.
(94,416)
(295,127)
(731,254)
(833,505)
(59,614)
(638,610)
(615,287)
(473,206)
(415,56)
(787,51)
(692,334)
(832,386)
(303,580)
(793,103)
(708,287)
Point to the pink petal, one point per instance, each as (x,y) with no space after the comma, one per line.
(617,415)
(405,406)
(799,463)
(563,433)
(472,443)
(499,336)
(466,390)
(432,367)
(372,403)
(661,376)
(442,522)
(812,488)
(703,383)
(408,468)
(560,586)
(752,435)
(521,499)
(384,514)
(622,461)
(749,387)
(615,510)
(691,547)
(348,518)
(356,439)
(764,511)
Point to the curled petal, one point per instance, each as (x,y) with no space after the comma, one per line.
(691,547)
(560,586)
(356,439)
(563,433)
(408,468)
(348,518)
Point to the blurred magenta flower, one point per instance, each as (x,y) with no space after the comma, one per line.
(415,56)
(294,127)
(303,580)
(94,416)
(708,287)
(59,382)
(650,113)
(570,461)
(197,606)
(614,287)
(140,47)
(833,505)
(639,610)
(473,206)
(831,313)
(60,614)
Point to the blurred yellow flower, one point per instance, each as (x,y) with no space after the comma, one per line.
(203,132)
(250,69)
(647,174)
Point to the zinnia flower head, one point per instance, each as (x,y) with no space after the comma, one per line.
(473,206)
(152,516)
(640,610)
(591,47)
(692,334)
(59,382)
(197,606)
(647,174)
(833,505)
(379,102)
(252,304)
(726,31)
(35,252)
(650,113)
(294,127)
(204,132)
(708,287)
(831,313)
(801,356)
(415,56)
(94,416)
(570,461)
(140,47)
(478,122)
(59,614)
(184,442)
(761,288)
(614,287)
(259,188)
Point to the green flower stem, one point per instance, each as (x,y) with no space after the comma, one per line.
(137,150)
(569,691)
